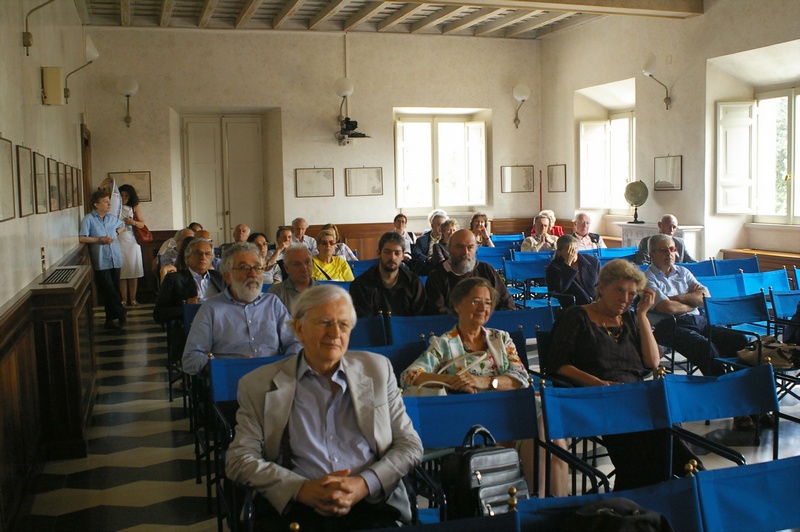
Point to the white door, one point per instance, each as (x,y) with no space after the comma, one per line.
(223,176)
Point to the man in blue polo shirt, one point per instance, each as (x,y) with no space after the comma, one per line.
(99,229)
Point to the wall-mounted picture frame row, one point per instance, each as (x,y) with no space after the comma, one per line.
(318,182)
(31,184)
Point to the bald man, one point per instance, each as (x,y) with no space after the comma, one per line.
(667,226)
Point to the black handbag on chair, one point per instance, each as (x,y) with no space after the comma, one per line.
(476,478)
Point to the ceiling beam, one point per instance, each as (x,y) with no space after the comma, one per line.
(509,19)
(287,12)
(471,20)
(405,12)
(539,22)
(327,12)
(367,12)
(125,12)
(651,8)
(83,11)
(435,18)
(247,12)
(571,23)
(166,12)
(208,11)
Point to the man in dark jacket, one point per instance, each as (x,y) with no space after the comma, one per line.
(572,273)
(388,287)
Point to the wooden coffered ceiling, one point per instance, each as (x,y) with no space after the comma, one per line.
(526,19)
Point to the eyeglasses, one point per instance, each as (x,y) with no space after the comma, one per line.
(478,301)
(199,253)
(671,249)
(245,269)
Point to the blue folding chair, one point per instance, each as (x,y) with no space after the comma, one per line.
(344,285)
(729,266)
(513,238)
(526,280)
(700,269)
(529,320)
(616,253)
(754,497)
(369,332)
(730,285)
(265,287)
(784,306)
(606,260)
(743,313)
(764,281)
(189,312)
(360,266)
(404,329)
(493,256)
(400,355)
(592,252)
(533,255)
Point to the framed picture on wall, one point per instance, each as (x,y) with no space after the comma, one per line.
(313,182)
(40,182)
(516,178)
(7,198)
(557,178)
(140,181)
(52,184)
(62,186)
(363,181)
(79,186)
(70,186)
(25,186)
(668,172)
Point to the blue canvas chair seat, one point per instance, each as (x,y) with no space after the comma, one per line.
(617,253)
(493,256)
(526,280)
(763,281)
(533,255)
(606,260)
(699,269)
(360,266)
(784,306)
(730,266)
(368,332)
(405,329)
(400,355)
(514,238)
(745,313)
(730,285)
(344,285)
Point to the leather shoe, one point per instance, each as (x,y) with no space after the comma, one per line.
(743,423)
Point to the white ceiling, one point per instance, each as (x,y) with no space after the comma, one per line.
(764,67)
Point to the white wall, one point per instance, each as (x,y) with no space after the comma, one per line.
(53,131)
(293,74)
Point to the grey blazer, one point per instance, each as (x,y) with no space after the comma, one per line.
(265,398)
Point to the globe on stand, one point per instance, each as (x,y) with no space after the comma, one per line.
(636,194)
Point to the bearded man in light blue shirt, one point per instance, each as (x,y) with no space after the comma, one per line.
(241,321)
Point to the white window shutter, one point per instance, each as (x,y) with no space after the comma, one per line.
(735,157)
(476,163)
(594,165)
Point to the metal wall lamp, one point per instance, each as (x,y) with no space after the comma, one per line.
(667,99)
(128,86)
(521,93)
(27,37)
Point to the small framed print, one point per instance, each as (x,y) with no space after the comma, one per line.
(363,181)
(62,186)
(313,182)
(70,186)
(40,182)
(79,186)
(7,199)
(140,181)
(516,179)
(557,178)
(25,186)
(52,184)
(668,172)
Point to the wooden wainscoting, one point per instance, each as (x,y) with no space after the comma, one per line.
(362,238)
(767,260)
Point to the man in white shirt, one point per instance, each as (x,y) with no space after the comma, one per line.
(586,240)
(299,236)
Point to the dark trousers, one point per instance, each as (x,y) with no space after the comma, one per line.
(641,458)
(690,338)
(363,516)
(107,282)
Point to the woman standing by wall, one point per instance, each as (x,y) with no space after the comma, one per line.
(131,216)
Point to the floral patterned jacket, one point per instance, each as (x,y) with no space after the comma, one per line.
(503,359)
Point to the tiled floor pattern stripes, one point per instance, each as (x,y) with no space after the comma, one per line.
(139,475)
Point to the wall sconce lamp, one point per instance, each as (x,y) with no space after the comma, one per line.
(27,37)
(91,55)
(521,93)
(667,99)
(128,86)
(344,87)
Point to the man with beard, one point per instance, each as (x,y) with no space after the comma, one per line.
(462,265)
(387,287)
(241,321)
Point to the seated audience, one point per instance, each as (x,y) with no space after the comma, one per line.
(477,225)
(195,226)
(240,234)
(387,287)
(572,273)
(586,240)
(555,230)
(323,436)
(299,236)
(169,253)
(216,261)
(462,265)
(342,249)
(440,253)
(667,226)
(423,247)
(272,274)
(541,239)
(240,321)
(283,239)
(299,267)
(679,294)
(602,344)
(327,267)
(194,284)
(400,222)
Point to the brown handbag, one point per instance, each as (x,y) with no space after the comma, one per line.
(143,234)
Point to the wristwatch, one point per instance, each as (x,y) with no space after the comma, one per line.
(495,383)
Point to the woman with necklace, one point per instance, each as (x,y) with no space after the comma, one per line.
(602,344)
